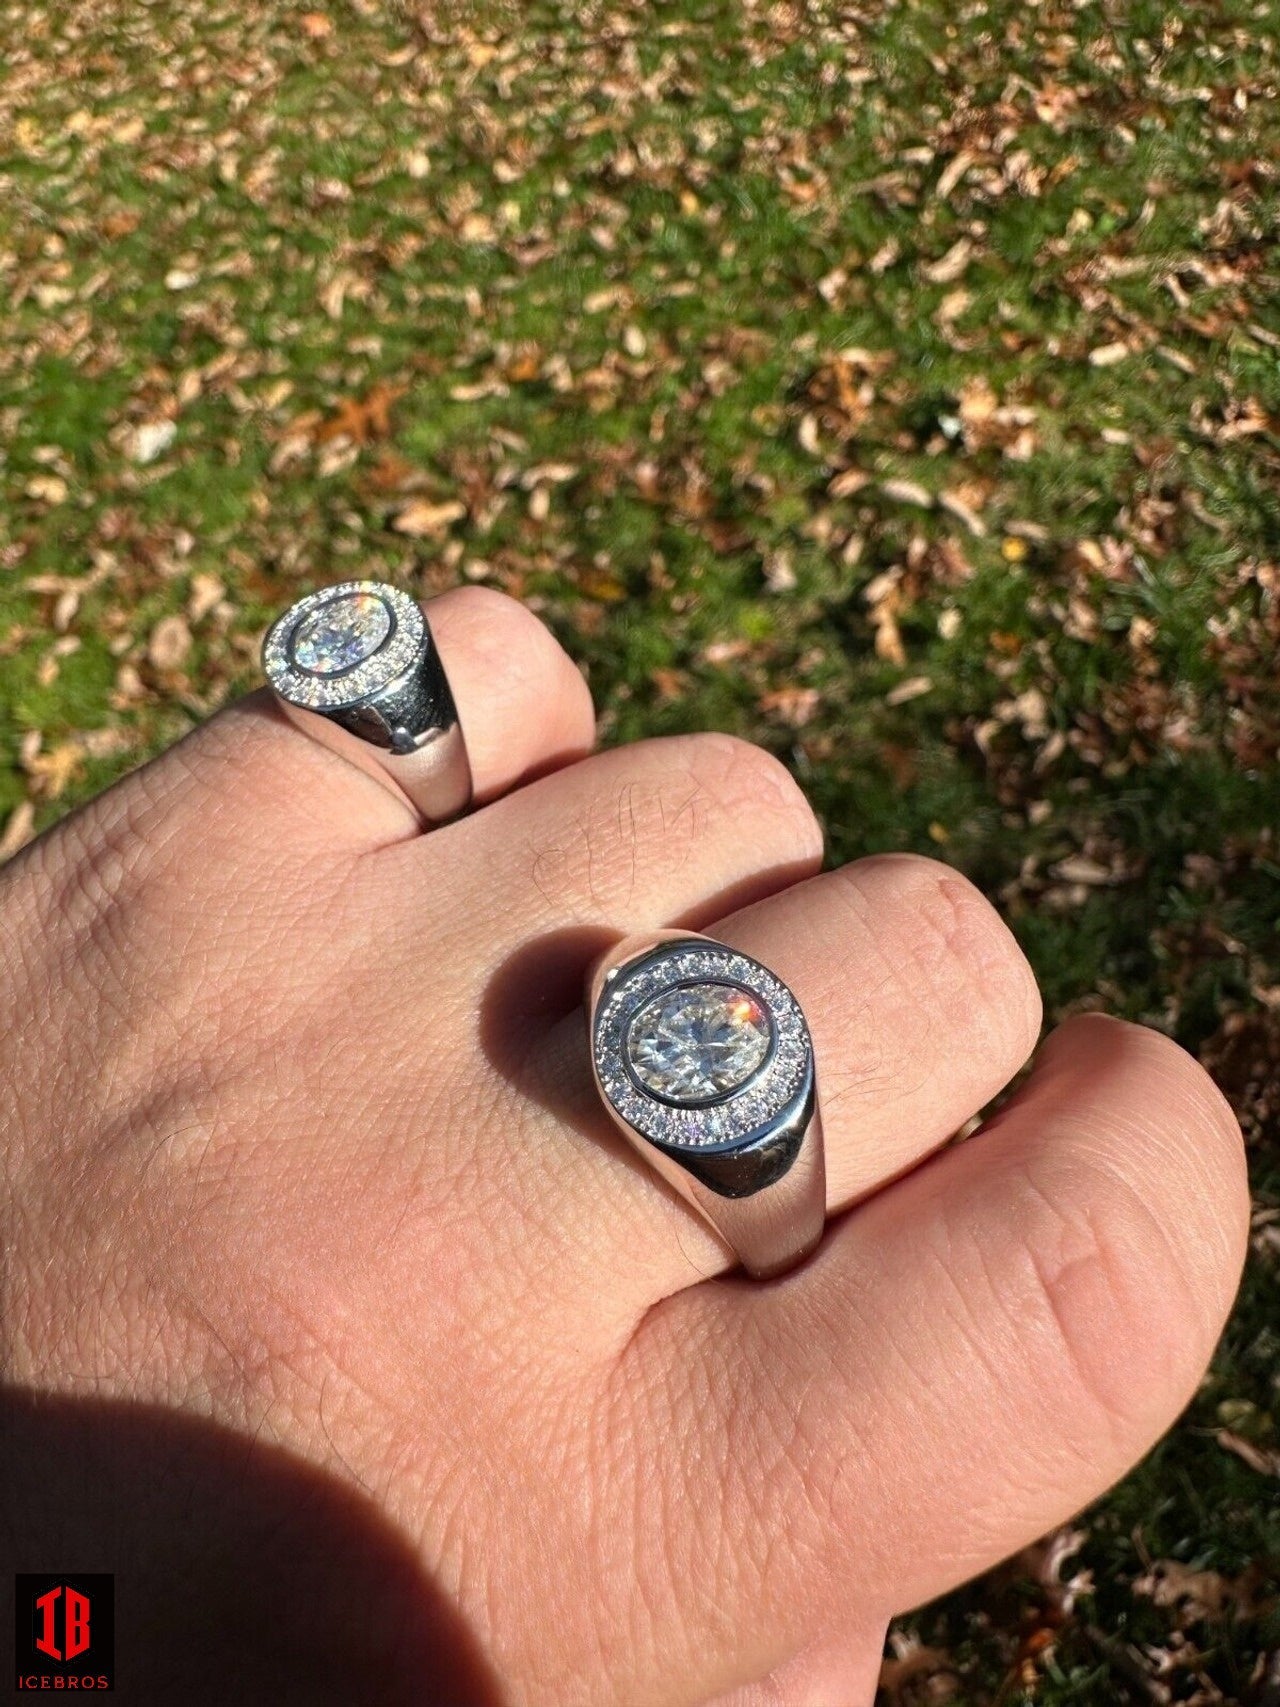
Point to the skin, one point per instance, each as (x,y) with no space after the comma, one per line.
(308,1208)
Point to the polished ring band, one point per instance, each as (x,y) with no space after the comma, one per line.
(703,1058)
(356,667)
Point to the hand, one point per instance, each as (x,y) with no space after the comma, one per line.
(342,1327)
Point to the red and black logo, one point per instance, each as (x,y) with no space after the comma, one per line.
(66,1632)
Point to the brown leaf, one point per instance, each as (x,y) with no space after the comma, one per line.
(424,518)
(792,705)
(848,483)
(523,368)
(390,472)
(1198,1594)
(1107,355)
(955,506)
(907,492)
(51,772)
(1265,1460)
(884,600)
(18,830)
(360,419)
(913,1660)
(206,591)
(475,393)
(912,688)
(47,488)
(600,584)
(122,223)
(169,643)
(949,267)
(669,684)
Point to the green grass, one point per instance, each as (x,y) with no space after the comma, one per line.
(652,239)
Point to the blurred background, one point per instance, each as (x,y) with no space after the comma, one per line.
(897,384)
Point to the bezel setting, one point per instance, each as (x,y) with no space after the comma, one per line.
(740,1114)
(402,646)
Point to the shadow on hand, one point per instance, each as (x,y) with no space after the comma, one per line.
(242,1573)
(540,989)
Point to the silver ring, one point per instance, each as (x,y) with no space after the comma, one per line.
(355,666)
(704,1060)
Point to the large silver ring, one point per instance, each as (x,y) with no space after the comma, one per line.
(703,1058)
(355,666)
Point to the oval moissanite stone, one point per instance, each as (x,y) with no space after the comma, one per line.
(340,634)
(698,1041)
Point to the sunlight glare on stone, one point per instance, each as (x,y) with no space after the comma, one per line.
(341,634)
(698,1041)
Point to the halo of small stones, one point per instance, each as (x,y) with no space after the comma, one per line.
(322,693)
(744,1111)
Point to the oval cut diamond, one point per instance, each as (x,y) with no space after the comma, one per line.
(340,634)
(698,1042)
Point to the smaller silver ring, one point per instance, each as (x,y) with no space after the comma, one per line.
(703,1058)
(356,667)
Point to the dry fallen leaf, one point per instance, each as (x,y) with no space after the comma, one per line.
(18,830)
(600,584)
(1265,1460)
(848,483)
(912,688)
(950,266)
(792,705)
(884,600)
(912,1661)
(1198,1594)
(169,643)
(150,439)
(1107,355)
(51,772)
(424,518)
(956,506)
(47,488)
(907,492)
(360,419)
(206,591)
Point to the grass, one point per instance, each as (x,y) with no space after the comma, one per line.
(916,371)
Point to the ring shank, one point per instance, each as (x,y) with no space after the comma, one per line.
(406,735)
(771,1230)
(434,777)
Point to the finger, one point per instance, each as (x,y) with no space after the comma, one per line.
(522,701)
(920,1003)
(976,1352)
(664,831)
(921,1006)
(660,832)
(254,778)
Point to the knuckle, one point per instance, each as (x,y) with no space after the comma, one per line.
(501,631)
(946,941)
(667,803)
(742,778)
(1074,1279)
(521,662)
(1100,1285)
(1175,1137)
